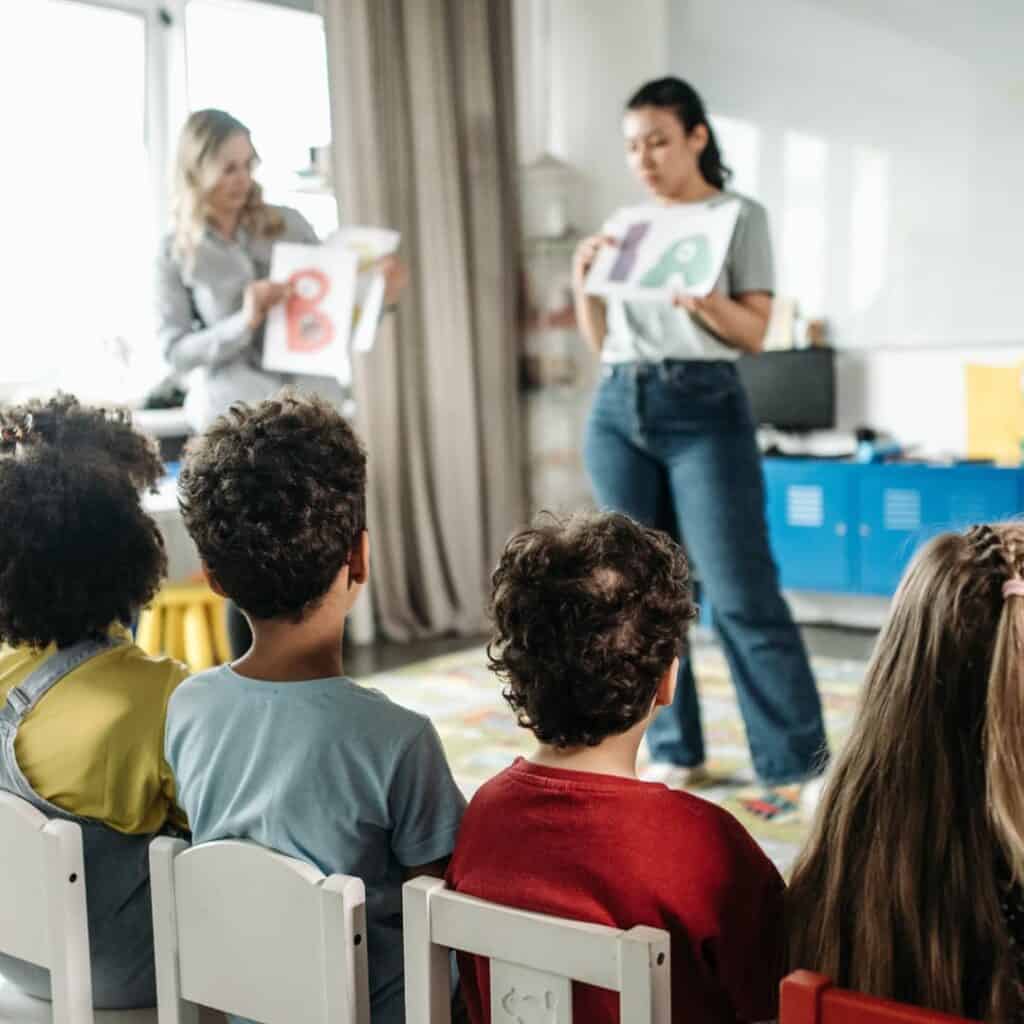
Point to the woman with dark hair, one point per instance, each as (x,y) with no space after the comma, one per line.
(671,441)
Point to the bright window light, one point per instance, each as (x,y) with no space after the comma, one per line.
(79,212)
(284,102)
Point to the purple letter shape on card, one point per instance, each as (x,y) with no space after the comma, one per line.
(627,252)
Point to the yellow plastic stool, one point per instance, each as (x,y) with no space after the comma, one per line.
(186,621)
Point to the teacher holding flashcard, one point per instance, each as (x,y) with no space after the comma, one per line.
(671,441)
(213,287)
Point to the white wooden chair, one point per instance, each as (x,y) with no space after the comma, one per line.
(43,918)
(243,929)
(42,904)
(533,960)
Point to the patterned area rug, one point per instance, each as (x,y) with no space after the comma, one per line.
(481,737)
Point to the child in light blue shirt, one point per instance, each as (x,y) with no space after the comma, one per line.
(280,747)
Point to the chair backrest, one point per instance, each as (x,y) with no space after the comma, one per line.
(533,959)
(243,929)
(42,903)
(808,998)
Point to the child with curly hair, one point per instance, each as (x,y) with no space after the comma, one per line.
(280,747)
(587,619)
(82,718)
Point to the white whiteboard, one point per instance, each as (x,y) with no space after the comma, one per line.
(886,138)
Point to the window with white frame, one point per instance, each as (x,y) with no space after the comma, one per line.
(94,96)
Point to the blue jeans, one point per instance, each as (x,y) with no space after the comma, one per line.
(673,445)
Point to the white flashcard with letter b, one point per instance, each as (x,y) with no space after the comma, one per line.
(310,331)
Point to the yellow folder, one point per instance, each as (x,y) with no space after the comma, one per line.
(995,412)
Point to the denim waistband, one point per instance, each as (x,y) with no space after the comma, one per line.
(666,368)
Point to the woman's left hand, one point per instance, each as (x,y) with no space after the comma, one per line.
(396,277)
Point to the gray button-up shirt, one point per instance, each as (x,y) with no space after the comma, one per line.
(203,330)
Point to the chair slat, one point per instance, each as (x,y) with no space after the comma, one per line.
(42,904)
(533,959)
(256,934)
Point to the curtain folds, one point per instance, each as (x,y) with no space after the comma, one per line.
(424,141)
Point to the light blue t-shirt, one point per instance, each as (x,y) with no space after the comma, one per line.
(327,771)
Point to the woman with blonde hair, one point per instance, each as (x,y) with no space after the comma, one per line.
(909,887)
(213,286)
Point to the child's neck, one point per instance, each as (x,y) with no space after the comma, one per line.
(288,652)
(615,755)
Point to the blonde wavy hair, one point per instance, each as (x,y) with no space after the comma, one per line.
(197,170)
(920,830)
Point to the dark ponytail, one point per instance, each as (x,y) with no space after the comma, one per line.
(682,99)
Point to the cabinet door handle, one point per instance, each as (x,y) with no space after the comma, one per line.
(840,529)
(865,530)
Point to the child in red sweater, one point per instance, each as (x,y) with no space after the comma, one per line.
(587,619)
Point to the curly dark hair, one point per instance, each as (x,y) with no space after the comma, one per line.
(588,613)
(274,497)
(77,551)
(84,431)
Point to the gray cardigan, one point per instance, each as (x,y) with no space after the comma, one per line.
(203,331)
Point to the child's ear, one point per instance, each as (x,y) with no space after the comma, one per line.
(211,581)
(666,691)
(359,560)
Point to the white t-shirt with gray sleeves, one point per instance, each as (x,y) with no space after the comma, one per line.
(650,332)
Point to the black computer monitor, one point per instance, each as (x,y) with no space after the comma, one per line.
(793,389)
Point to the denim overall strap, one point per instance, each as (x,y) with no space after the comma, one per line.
(116,864)
(22,699)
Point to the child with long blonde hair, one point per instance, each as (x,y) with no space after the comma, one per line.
(909,887)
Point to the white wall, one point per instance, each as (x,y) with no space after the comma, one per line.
(883,135)
(888,150)
(599,52)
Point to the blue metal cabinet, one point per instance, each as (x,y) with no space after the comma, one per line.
(902,506)
(811,520)
(848,527)
(899,507)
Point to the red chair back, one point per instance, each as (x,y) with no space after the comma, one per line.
(808,998)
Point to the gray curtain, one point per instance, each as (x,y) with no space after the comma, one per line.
(424,141)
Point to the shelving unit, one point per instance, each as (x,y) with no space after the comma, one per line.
(557,374)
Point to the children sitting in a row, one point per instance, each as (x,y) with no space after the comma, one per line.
(908,888)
